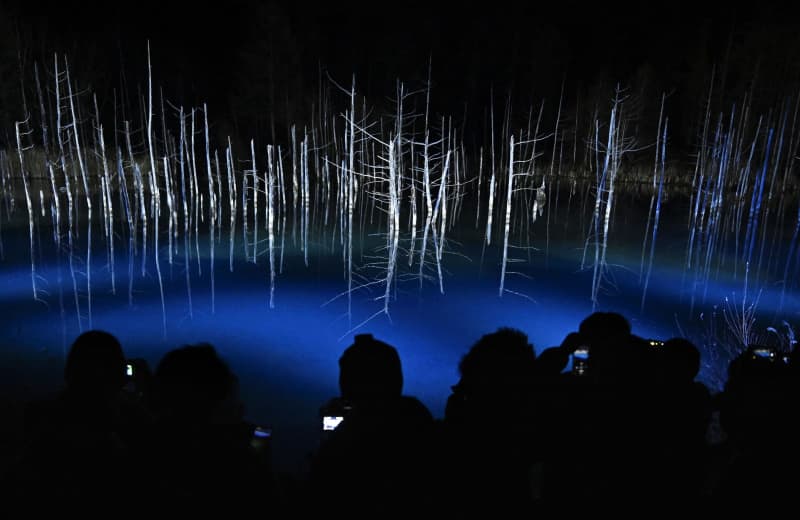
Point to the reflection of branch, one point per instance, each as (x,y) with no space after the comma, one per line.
(741,322)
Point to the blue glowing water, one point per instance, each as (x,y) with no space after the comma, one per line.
(286,357)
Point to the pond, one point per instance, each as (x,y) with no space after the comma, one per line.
(164,233)
(283,337)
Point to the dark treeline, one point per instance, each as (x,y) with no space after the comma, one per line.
(259,65)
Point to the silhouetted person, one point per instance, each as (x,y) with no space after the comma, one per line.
(681,360)
(81,445)
(758,412)
(95,366)
(490,428)
(378,462)
(611,347)
(601,326)
(370,372)
(201,448)
(598,440)
(680,416)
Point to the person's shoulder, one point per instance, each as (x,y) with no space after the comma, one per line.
(413,407)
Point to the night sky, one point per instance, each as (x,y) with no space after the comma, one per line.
(242,52)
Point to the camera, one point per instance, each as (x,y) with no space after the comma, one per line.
(580,360)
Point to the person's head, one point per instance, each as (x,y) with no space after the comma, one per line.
(95,363)
(193,383)
(621,358)
(370,369)
(600,327)
(497,361)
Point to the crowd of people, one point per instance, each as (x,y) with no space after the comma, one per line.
(627,426)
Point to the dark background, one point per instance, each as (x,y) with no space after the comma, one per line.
(259,65)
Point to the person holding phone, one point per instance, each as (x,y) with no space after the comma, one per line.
(204,453)
(378,441)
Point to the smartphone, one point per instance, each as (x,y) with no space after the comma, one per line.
(262,433)
(764,353)
(260,441)
(656,343)
(129,369)
(580,360)
(330,422)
